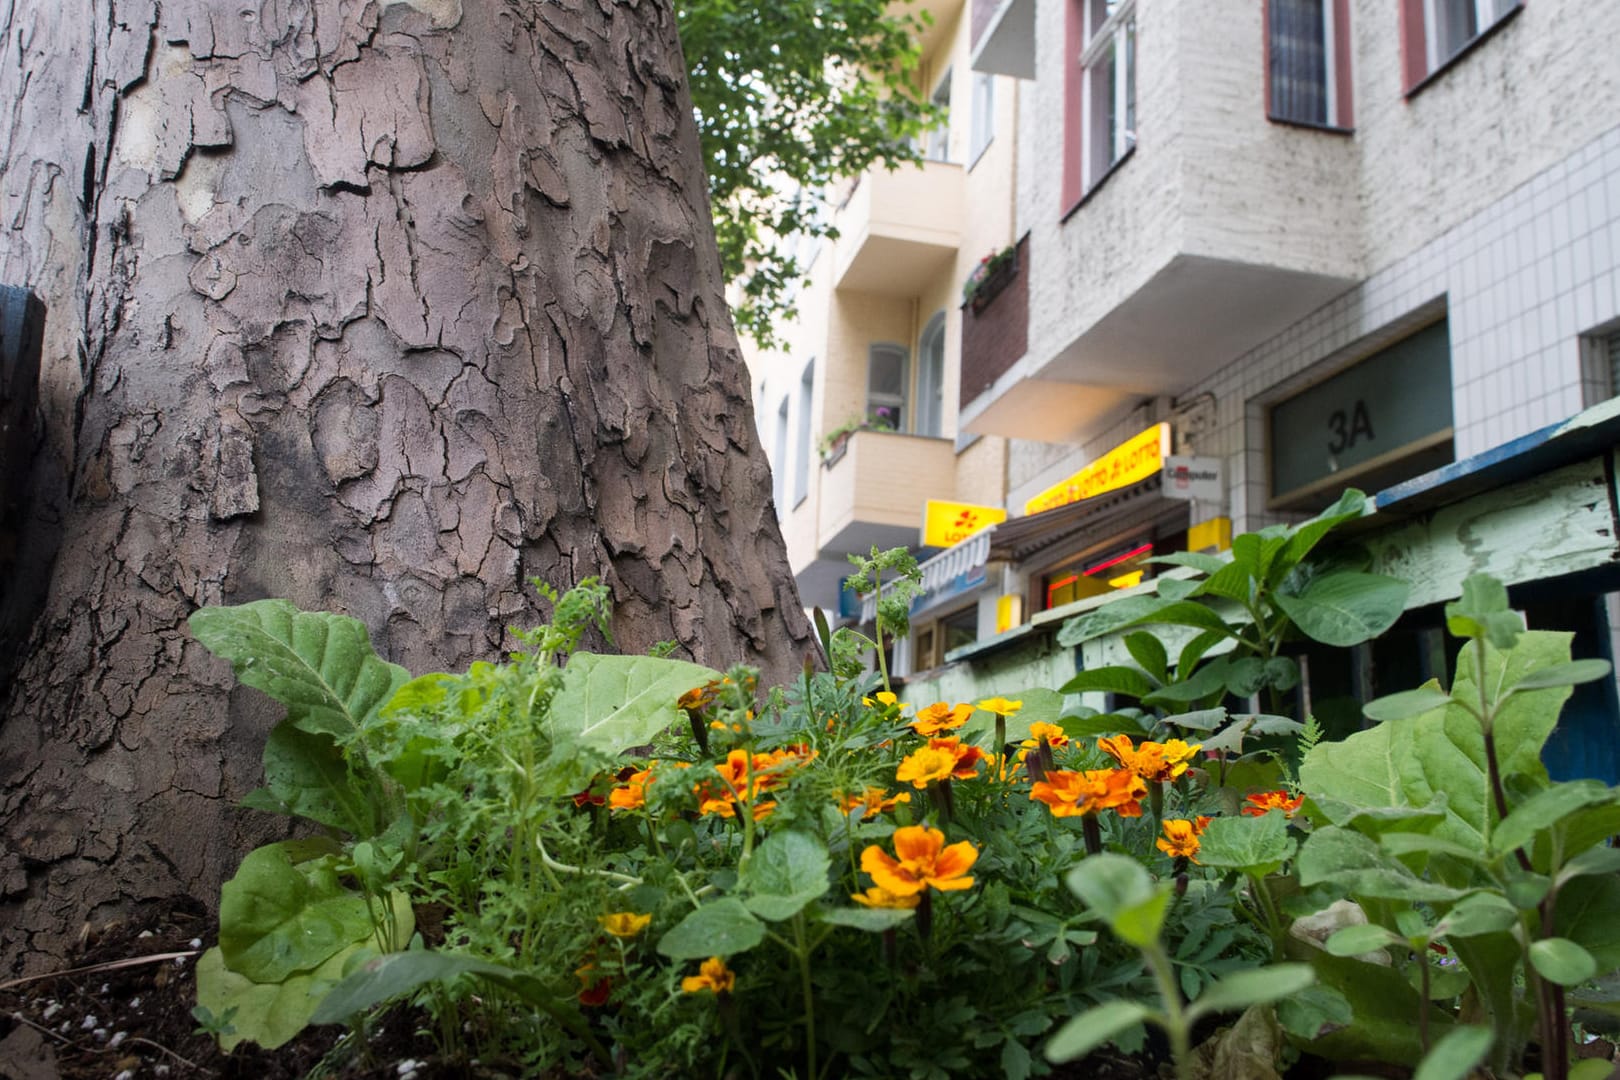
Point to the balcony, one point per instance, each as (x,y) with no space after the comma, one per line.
(1004,37)
(899,229)
(873,495)
(995,327)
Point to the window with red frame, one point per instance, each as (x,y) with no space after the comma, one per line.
(1308,62)
(1434,32)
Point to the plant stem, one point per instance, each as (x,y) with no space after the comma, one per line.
(1268,905)
(1175,1015)
(1423,1006)
(802,951)
(1091,833)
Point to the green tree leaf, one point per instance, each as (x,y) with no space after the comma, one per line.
(1148,651)
(872,920)
(1346,607)
(319,665)
(786,872)
(720,928)
(1305,536)
(276,918)
(1136,610)
(1110,680)
(1094,1027)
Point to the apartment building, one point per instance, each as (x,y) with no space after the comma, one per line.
(1294,246)
(858,408)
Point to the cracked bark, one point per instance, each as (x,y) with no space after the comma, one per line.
(383,307)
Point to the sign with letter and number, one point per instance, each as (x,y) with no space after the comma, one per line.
(1194,478)
(1394,403)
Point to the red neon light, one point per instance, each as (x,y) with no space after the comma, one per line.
(1131,554)
(1056,585)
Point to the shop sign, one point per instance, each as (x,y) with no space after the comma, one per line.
(1194,478)
(1394,403)
(1135,459)
(948,523)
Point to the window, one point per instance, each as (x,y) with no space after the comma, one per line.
(779,461)
(887,376)
(984,114)
(938,147)
(931,378)
(1308,62)
(1107,87)
(1434,32)
(801,460)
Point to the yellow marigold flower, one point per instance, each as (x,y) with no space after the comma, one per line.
(924,765)
(1180,838)
(1265,801)
(923,861)
(632,794)
(882,699)
(1053,734)
(940,717)
(624,924)
(1000,706)
(879,897)
(712,975)
(873,801)
(1071,794)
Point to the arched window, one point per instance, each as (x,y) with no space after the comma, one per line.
(887,377)
(930,410)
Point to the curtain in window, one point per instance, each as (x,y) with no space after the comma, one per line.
(1298,57)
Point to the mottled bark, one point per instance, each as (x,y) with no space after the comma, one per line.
(383,307)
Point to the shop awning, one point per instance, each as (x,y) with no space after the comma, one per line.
(1114,511)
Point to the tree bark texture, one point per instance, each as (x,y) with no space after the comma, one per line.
(382,306)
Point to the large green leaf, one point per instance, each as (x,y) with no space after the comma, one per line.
(786,872)
(872,920)
(1547,808)
(1384,1008)
(1256,846)
(1356,864)
(1110,680)
(1410,762)
(1257,986)
(268,1013)
(1347,607)
(719,928)
(1586,915)
(1456,1054)
(318,664)
(611,703)
(306,775)
(1483,611)
(1305,537)
(276,918)
(1136,610)
(1147,650)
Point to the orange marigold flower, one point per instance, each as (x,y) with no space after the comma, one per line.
(632,794)
(712,975)
(879,897)
(924,765)
(873,801)
(699,697)
(967,757)
(1071,794)
(923,861)
(1200,823)
(1159,762)
(1266,801)
(1000,706)
(624,924)
(1054,735)
(588,798)
(711,801)
(940,717)
(1180,839)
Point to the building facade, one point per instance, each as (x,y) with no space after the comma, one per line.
(1308,244)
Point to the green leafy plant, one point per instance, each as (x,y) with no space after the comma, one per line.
(986,269)
(880,419)
(1442,826)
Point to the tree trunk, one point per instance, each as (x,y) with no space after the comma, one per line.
(383,306)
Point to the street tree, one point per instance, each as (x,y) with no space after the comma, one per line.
(383,306)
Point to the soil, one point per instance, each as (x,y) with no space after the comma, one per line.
(96,1020)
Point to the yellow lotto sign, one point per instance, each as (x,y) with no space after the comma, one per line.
(1135,459)
(947,523)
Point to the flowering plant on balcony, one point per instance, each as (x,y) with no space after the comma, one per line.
(990,277)
(833,442)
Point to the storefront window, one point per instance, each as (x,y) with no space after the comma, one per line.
(1117,568)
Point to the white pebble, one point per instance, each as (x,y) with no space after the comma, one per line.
(106,988)
(51,1010)
(407,1067)
(127,1074)
(196,943)
(135,1002)
(145,933)
(118,1037)
(89,1022)
(160,1069)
